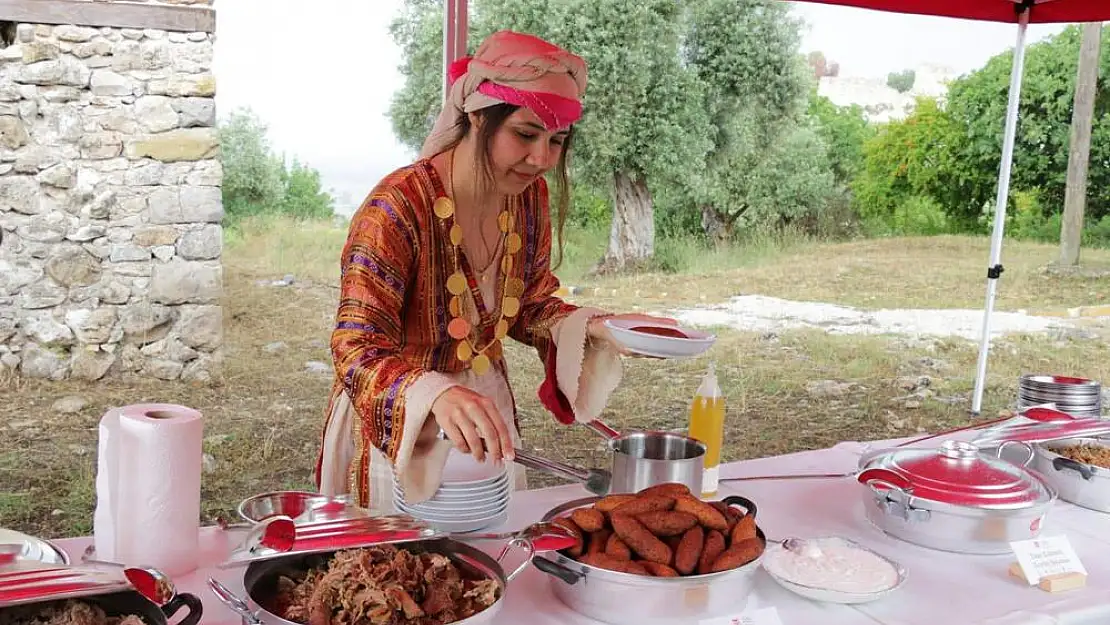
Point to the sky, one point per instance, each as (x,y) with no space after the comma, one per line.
(322,81)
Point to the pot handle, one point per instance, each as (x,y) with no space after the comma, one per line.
(602,428)
(1029,453)
(186,600)
(1062,463)
(523,543)
(556,570)
(744,502)
(885,478)
(233,602)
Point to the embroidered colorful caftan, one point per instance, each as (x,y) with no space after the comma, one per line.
(393,355)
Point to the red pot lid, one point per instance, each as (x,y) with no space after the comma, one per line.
(956,473)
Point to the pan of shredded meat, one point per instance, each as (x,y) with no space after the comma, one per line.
(430,582)
(127,607)
(1079,469)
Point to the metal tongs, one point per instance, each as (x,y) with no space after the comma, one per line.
(597,481)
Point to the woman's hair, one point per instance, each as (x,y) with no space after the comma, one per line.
(493,118)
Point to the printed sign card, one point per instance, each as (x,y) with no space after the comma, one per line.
(1044,557)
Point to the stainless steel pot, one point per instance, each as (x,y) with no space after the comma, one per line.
(1082,484)
(622,598)
(954,498)
(645,458)
(122,603)
(637,460)
(261,578)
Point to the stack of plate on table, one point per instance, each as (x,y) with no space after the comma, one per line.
(471,497)
(1079,397)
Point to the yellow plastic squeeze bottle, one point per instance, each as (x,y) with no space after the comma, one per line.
(707,424)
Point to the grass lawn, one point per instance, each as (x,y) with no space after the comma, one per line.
(786,392)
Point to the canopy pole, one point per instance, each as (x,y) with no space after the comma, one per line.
(454,36)
(994,269)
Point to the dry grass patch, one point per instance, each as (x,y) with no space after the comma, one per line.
(926,272)
(787,392)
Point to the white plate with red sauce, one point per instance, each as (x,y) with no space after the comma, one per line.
(659,340)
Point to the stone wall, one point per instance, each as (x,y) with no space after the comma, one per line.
(110,204)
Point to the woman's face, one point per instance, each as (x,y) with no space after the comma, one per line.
(522,150)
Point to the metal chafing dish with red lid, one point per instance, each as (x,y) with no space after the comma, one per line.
(30,589)
(969,497)
(314,544)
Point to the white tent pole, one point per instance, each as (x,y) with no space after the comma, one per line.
(994,269)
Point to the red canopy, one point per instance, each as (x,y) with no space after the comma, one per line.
(1043,12)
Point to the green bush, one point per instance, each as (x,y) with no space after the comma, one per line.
(908,159)
(920,216)
(917,215)
(257,182)
(304,195)
(1026,219)
(1029,220)
(845,131)
(589,207)
(977,102)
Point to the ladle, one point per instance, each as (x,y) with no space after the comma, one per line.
(149,582)
(278,532)
(1043,414)
(152,584)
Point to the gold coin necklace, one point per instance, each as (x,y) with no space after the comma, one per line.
(459,328)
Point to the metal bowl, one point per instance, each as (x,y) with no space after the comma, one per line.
(291,503)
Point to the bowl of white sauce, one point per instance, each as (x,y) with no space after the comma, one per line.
(832,569)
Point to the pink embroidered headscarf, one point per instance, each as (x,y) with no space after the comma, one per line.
(511,68)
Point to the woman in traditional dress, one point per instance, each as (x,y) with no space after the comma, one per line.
(444,260)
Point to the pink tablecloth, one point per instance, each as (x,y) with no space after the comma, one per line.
(941,588)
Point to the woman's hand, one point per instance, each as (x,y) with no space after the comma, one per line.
(598,331)
(473,424)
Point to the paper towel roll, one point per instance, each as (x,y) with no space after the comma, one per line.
(148,487)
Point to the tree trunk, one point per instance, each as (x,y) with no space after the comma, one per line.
(1075,194)
(717,227)
(632,232)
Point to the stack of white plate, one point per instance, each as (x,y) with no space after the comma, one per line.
(470,498)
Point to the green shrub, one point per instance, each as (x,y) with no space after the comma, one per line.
(257,182)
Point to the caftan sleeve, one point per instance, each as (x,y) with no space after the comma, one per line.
(580,376)
(377,264)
